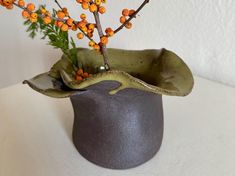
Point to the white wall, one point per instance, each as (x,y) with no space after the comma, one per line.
(200,31)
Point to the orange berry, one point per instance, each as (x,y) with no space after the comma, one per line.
(128,25)
(34,15)
(25,14)
(85,5)
(59,23)
(109,32)
(91,26)
(98,2)
(131,12)
(69,21)
(90,35)
(83,16)
(93,8)
(64,27)
(30,7)
(84,29)
(33,20)
(102,10)
(104,40)
(60,14)
(80,72)
(21,3)
(9,7)
(65,10)
(80,35)
(96,47)
(85,75)
(47,20)
(81,24)
(84,21)
(79,1)
(122,19)
(7,3)
(79,78)
(125,12)
(74,28)
(91,43)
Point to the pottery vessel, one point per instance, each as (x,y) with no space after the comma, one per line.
(118,120)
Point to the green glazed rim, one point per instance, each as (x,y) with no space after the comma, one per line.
(156,71)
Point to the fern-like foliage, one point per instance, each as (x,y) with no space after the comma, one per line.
(55,36)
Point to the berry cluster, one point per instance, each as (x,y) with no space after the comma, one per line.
(88,28)
(7,3)
(93,6)
(125,14)
(64,22)
(81,75)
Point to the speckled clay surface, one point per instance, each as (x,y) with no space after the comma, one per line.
(118,131)
(118,113)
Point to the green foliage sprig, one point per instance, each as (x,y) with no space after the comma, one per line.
(56,37)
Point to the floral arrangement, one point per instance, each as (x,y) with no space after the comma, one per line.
(157,71)
(57,23)
(116,94)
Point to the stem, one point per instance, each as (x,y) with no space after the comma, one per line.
(101,34)
(58,4)
(132,16)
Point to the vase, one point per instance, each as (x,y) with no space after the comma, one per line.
(118,131)
(118,113)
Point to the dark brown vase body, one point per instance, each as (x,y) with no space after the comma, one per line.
(118,131)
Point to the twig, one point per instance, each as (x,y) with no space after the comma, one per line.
(101,34)
(132,16)
(58,4)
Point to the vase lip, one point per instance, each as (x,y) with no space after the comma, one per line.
(156,71)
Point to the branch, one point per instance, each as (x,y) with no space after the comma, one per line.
(132,16)
(101,34)
(58,4)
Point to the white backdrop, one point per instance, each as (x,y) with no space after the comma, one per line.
(200,31)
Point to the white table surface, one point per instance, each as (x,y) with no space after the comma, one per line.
(199,138)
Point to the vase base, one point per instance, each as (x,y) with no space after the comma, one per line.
(118,131)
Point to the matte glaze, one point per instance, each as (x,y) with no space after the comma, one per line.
(118,131)
(157,71)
